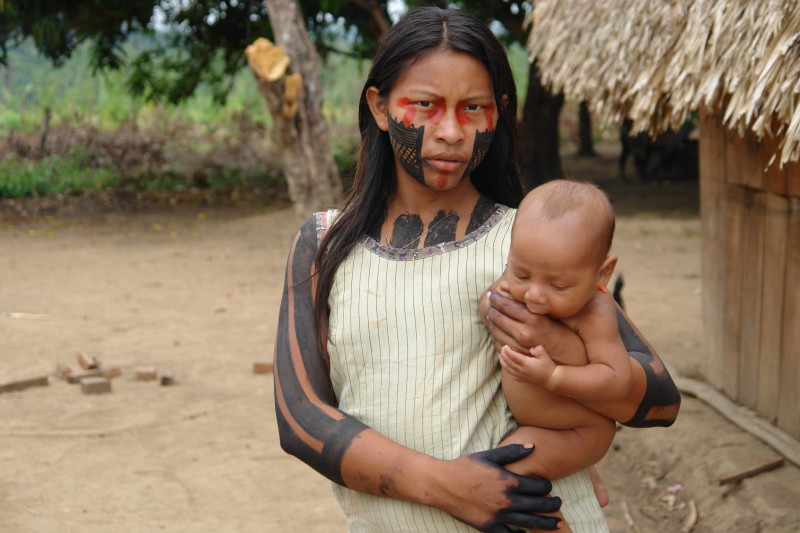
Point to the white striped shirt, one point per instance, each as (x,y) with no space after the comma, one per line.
(411,359)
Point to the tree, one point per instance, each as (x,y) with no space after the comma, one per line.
(208,36)
(204,44)
(585,143)
(290,83)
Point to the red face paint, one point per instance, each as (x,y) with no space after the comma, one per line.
(408,105)
(463,117)
(441,180)
(489,113)
(438,113)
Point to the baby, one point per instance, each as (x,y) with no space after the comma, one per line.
(559,265)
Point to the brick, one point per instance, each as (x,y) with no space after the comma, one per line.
(111,372)
(20,384)
(63,371)
(262,367)
(77,376)
(167,380)
(146,373)
(87,362)
(95,385)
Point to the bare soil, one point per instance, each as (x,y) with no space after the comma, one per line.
(193,290)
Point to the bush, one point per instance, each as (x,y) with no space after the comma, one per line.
(52,175)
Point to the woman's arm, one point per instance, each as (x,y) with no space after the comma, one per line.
(654,399)
(475,489)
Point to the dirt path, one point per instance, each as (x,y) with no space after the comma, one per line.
(194,292)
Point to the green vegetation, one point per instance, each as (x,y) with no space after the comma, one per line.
(77,96)
(53,175)
(101,137)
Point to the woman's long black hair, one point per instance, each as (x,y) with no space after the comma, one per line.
(420,32)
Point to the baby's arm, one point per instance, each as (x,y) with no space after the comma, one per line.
(606,377)
(654,399)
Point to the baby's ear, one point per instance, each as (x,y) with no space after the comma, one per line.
(606,269)
(377,106)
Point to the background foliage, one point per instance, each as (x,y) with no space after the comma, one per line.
(147,93)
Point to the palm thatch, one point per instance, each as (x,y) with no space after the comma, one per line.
(654,61)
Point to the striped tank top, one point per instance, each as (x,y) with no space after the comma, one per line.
(411,359)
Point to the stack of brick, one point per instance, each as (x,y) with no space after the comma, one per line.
(93,378)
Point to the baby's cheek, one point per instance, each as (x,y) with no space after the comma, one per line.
(517,290)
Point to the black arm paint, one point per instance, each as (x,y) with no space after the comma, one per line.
(661,394)
(303,422)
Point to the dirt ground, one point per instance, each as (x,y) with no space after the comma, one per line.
(194,291)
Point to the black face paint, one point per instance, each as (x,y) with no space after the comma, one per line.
(407,145)
(482,142)
(406,231)
(480,213)
(442,228)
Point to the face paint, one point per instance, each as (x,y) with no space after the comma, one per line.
(407,145)
(464,119)
(488,111)
(437,112)
(433,114)
(479,150)
(408,105)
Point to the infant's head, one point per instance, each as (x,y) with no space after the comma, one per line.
(560,247)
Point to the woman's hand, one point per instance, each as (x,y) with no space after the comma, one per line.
(511,323)
(483,494)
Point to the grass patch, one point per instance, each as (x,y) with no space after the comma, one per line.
(52,175)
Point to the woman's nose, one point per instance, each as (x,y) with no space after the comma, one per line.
(449,129)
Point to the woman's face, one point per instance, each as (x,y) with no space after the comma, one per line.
(441,116)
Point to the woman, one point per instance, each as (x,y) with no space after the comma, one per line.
(386,380)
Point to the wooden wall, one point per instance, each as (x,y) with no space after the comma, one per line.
(750,210)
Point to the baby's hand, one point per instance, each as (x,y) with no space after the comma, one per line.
(535,368)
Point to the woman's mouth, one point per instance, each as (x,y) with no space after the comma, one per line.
(444,163)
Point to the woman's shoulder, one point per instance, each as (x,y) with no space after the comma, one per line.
(504,216)
(319,223)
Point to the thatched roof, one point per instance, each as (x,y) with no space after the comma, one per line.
(656,60)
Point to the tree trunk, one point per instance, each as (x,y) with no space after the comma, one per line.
(295,102)
(585,144)
(541,160)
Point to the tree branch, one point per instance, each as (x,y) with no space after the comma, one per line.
(379,18)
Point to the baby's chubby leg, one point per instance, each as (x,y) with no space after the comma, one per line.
(560,452)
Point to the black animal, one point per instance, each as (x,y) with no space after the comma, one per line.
(670,156)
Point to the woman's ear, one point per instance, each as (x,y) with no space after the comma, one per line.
(377,106)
